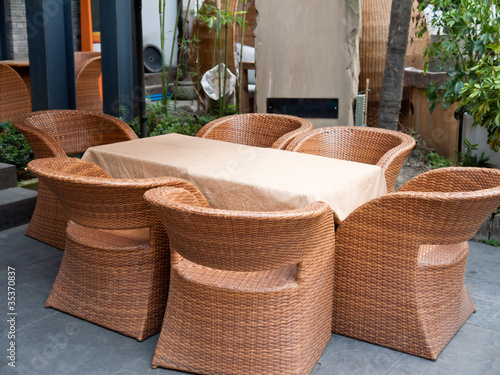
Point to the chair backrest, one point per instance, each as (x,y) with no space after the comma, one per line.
(93,199)
(88,92)
(81,57)
(240,241)
(256,129)
(359,144)
(70,131)
(385,148)
(14,96)
(444,206)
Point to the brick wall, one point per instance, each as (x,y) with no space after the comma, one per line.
(17,35)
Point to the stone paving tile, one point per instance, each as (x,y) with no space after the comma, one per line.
(489,271)
(61,344)
(472,351)
(495,368)
(143,367)
(29,308)
(52,342)
(483,290)
(482,251)
(473,266)
(20,249)
(487,315)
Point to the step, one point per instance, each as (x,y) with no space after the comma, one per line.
(156,78)
(184,91)
(16,206)
(8,176)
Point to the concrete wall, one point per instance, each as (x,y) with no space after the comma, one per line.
(308,49)
(17,34)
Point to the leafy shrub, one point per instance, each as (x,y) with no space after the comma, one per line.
(491,242)
(435,161)
(468,159)
(15,150)
(181,121)
(468,47)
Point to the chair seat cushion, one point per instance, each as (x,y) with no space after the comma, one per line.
(129,239)
(243,281)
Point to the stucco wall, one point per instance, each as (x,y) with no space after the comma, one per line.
(308,49)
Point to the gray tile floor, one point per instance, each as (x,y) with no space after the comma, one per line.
(51,342)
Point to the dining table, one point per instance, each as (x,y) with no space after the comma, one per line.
(245,178)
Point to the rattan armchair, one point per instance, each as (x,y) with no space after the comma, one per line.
(14,96)
(249,291)
(385,148)
(88,92)
(56,134)
(82,57)
(256,129)
(400,260)
(115,267)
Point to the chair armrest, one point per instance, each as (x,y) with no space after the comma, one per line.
(43,145)
(125,132)
(392,161)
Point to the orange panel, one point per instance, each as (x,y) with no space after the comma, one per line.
(86,25)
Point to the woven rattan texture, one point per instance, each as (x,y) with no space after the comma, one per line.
(88,93)
(400,260)
(385,148)
(115,268)
(81,57)
(256,129)
(14,96)
(249,291)
(56,134)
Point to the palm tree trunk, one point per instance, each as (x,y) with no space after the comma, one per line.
(392,84)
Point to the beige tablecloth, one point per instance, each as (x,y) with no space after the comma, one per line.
(238,177)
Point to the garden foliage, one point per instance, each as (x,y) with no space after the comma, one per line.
(468,50)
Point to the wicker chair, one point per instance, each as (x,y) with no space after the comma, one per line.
(115,267)
(14,96)
(249,291)
(82,57)
(88,92)
(400,260)
(256,129)
(56,134)
(385,148)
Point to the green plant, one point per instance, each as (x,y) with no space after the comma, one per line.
(426,155)
(435,161)
(467,49)
(218,19)
(495,243)
(482,95)
(15,150)
(180,121)
(470,159)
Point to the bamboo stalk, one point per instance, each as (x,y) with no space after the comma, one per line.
(174,41)
(181,52)
(240,68)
